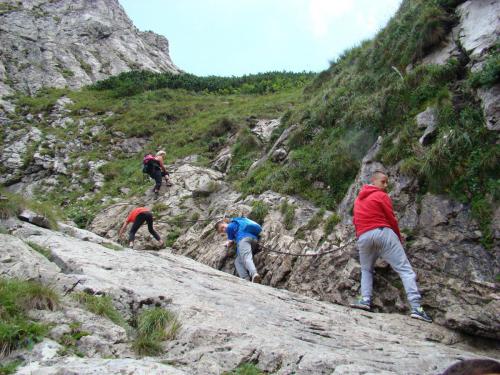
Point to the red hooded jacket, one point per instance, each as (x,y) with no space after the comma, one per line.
(373,209)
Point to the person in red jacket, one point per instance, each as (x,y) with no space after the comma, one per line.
(378,235)
(138,216)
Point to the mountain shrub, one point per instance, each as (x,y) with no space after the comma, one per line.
(135,82)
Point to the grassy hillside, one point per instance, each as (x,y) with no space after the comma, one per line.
(368,92)
(376,88)
(182,114)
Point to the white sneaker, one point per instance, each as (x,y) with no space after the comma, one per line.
(256,278)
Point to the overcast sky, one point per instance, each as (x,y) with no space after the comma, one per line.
(236,37)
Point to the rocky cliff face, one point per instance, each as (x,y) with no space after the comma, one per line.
(473,38)
(72,43)
(225,321)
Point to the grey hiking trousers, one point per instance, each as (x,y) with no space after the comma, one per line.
(384,243)
(244,259)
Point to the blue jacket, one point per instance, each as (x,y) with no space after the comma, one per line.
(236,233)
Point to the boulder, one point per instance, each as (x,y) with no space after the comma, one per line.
(279,155)
(427,120)
(282,138)
(479,27)
(264,128)
(490,98)
(445,51)
(16,147)
(222,161)
(34,218)
(19,260)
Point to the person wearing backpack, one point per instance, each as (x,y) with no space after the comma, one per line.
(154,167)
(138,216)
(245,233)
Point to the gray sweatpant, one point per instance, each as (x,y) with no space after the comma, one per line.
(244,259)
(384,243)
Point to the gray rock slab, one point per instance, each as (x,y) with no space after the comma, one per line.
(19,260)
(227,320)
(93,366)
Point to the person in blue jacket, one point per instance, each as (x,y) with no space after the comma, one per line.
(243,232)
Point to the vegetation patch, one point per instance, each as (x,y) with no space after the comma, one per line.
(7,8)
(180,121)
(312,224)
(316,220)
(154,326)
(330,223)
(259,211)
(100,305)
(489,75)
(245,369)
(43,102)
(41,249)
(10,367)
(244,153)
(135,82)
(172,236)
(16,299)
(70,340)
(159,207)
(288,212)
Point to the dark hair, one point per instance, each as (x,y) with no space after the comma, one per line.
(474,367)
(378,172)
(218,224)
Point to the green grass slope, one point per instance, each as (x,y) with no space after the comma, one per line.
(368,92)
(182,114)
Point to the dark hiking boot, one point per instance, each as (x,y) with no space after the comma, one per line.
(419,313)
(362,304)
(256,278)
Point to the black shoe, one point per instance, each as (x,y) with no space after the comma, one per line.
(419,313)
(361,304)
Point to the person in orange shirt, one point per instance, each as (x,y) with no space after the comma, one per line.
(138,216)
